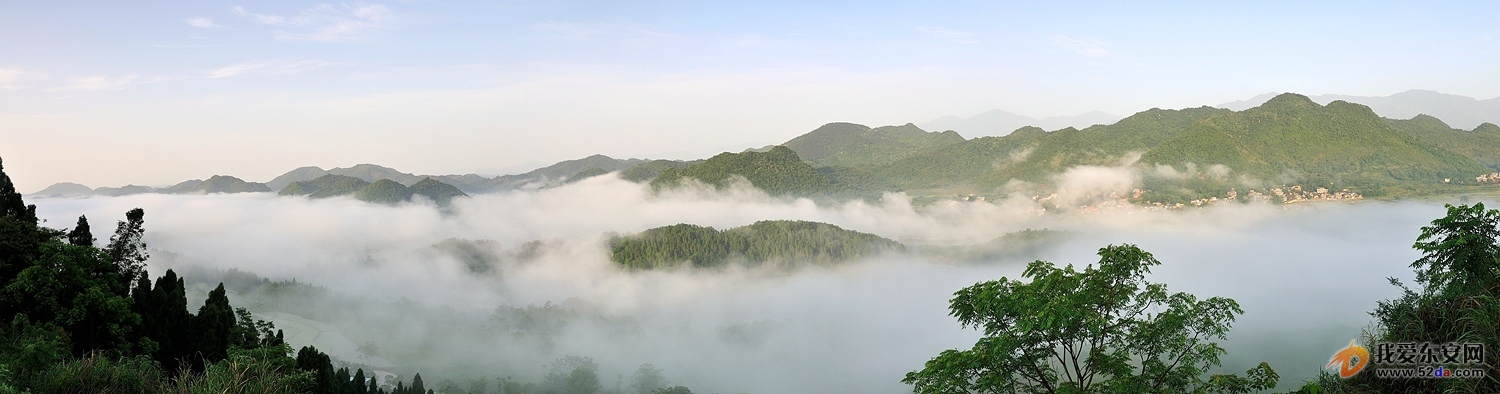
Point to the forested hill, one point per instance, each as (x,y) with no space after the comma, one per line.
(1481,144)
(854,145)
(1292,135)
(1032,154)
(778,171)
(783,242)
(383,191)
(1288,141)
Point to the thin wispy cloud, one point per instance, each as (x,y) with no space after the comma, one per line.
(201,22)
(179,46)
(17,79)
(276,66)
(96,83)
(1088,46)
(958,36)
(324,22)
(601,31)
(258,18)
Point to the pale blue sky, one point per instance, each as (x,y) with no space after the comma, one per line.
(108,93)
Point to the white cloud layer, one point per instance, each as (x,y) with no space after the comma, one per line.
(854,328)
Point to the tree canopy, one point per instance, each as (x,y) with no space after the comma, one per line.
(1100,330)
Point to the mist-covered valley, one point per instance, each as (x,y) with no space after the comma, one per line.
(500,285)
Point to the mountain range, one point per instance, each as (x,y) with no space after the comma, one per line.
(1184,154)
(1000,122)
(1459,111)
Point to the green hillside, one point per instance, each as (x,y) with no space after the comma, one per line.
(782,242)
(297,175)
(438,192)
(1291,139)
(778,171)
(214,184)
(562,172)
(372,173)
(645,172)
(1481,144)
(229,184)
(384,191)
(325,186)
(1032,154)
(853,145)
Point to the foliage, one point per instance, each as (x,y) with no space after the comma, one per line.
(1104,329)
(82,318)
(572,375)
(80,235)
(778,241)
(1457,301)
(645,172)
(126,248)
(97,373)
(672,390)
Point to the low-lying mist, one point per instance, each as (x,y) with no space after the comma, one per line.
(1306,276)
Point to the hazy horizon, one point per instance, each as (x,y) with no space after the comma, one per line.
(110,94)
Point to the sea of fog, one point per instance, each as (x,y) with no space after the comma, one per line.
(1306,275)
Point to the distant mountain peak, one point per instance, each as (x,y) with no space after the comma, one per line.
(1291,99)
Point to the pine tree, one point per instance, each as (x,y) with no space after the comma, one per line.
(80,235)
(341,381)
(165,319)
(359,382)
(321,366)
(416,384)
(214,324)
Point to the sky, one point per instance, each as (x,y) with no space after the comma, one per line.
(113,93)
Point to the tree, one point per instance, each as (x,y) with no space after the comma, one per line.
(1457,301)
(80,236)
(416,385)
(321,366)
(672,390)
(358,384)
(647,379)
(126,249)
(1104,329)
(573,375)
(215,324)
(19,234)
